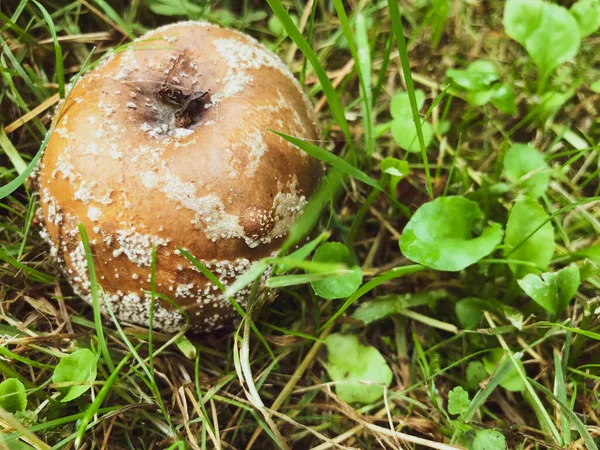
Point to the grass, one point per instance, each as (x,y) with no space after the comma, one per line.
(267,384)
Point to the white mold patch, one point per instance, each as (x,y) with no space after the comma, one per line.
(94,213)
(257,146)
(136,246)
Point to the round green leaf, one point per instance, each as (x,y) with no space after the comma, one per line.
(476,373)
(587,15)
(405,134)
(337,286)
(552,290)
(478,76)
(470,312)
(440,235)
(549,33)
(78,368)
(505,99)
(512,381)
(351,362)
(13,396)
(276,27)
(525,217)
(489,440)
(400,105)
(525,166)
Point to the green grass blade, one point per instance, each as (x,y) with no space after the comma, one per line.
(89,257)
(396,272)
(116,18)
(329,189)
(567,410)
(95,406)
(152,308)
(362,59)
(242,281)
(334,161)
(13,185)
(13,154)
(384,66)
(60,71)
(34,274)
(560,390)
(398,29)
(332,98)
(491,384)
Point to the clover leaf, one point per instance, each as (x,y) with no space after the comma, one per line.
(77,369)
(525,217)
(552,290)
(489,440)
(13,396)
(440,234)
(587,15)
(458,401)
(549,33)
(525,166)
(350,362)
(341,285)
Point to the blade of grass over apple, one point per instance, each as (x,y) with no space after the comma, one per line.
(255,271)
(152,309)
(342,166)
(147,377)
(302,253)
(294,280)
(329,189)
(13,185)
(334,161)
(94,292)
(398,30)
(332,97)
